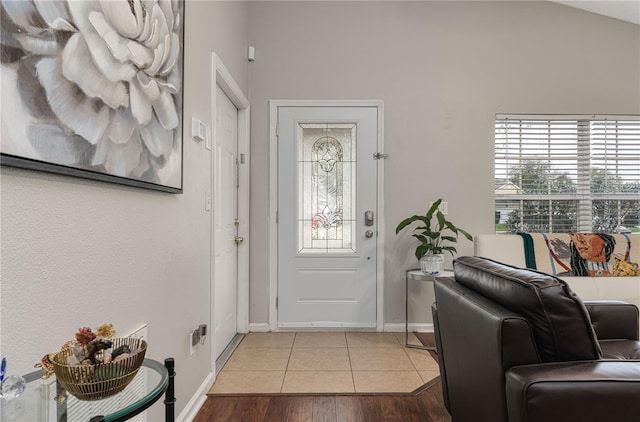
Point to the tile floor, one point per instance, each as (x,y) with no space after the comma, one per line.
(325,362)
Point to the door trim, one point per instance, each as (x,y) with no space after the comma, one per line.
(220,76)
(273,199)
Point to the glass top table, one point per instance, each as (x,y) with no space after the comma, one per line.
(46,400)
(417,275)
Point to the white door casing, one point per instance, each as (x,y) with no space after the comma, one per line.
(223,84)
(320,282)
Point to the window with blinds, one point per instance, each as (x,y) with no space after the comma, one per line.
(567,173)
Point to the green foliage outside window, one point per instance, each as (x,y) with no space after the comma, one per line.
(537,178)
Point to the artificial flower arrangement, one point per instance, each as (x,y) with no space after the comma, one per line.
(94,348)
(96,364)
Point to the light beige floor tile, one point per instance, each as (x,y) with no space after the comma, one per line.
(258,359)
(328,339)
(412,338)
(319,362)
(428,375)
(422,360)
(360,339)
(267,340)
(319,359)
(230,382)
(386,381)
(381,358)
(318,382)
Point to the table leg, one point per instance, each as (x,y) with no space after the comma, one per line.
(170,398)
(406,319)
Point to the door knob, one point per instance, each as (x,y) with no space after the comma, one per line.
(238,240)
(368,234)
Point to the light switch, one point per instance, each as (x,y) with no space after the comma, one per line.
(443,208)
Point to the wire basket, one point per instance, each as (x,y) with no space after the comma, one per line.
(95,382)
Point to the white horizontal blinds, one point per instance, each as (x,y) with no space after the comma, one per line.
(615,148)
(560,174)
(536,164)
(615,173)
(585,209)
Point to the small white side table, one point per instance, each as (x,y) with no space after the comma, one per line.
(418,275)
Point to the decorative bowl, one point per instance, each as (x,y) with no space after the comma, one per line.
(95,382)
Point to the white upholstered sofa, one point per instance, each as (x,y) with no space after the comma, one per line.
(510,249)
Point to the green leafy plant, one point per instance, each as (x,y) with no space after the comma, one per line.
(434,233)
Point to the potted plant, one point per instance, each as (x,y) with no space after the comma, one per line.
(435,236)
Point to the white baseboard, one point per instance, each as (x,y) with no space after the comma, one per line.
(326,325)
(388,327)
(197,400)
(260,327)
(413,327)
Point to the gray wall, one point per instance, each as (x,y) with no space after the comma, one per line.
(77,252)
(443,69)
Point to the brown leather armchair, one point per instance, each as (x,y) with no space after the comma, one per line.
(518,345)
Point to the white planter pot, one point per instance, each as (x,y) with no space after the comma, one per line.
(432,264)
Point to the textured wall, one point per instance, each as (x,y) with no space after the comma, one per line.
(443,69)
(77,252)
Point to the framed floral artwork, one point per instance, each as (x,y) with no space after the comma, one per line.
(93,88)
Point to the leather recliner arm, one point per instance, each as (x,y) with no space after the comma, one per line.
(614,319)
(585,391)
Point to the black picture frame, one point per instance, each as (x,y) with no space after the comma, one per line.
(138,139)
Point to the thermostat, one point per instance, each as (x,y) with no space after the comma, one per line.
(198,130)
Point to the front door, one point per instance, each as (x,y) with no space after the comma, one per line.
(326,216)
(225,203)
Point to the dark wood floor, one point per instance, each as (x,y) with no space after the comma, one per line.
(426,406)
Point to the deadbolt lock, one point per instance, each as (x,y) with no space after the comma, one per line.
(368,218)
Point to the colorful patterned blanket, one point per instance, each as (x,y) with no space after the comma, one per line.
(582,254)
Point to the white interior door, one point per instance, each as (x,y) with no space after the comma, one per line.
(327,225)
(225,279)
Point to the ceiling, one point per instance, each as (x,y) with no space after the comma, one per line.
(626,10)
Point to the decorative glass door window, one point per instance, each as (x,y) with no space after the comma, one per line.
(326,187)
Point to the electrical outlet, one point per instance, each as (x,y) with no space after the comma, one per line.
(197,336)
(194,338)
(202,333)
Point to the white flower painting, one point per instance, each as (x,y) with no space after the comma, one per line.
(93,88)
